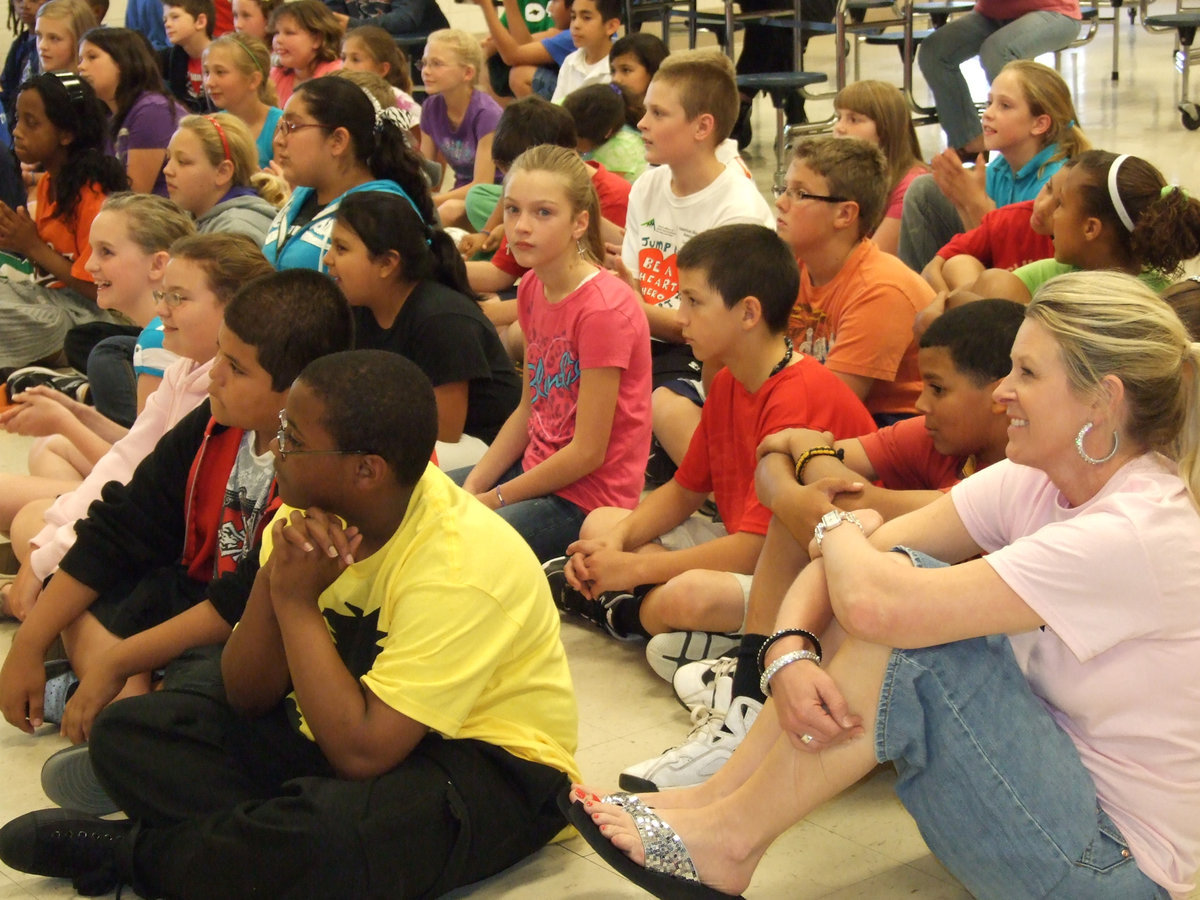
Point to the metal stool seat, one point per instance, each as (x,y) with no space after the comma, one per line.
(778,84)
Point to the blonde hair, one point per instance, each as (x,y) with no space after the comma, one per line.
(228,261)
(855,169)
(251,57)
(706,83)
(884,105)
(375,85)
(79,18)
(243,152)
(1048,95)
(1107,323)
(577,181)
(154,223)
(465,46)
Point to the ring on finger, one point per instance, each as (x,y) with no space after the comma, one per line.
(806,738)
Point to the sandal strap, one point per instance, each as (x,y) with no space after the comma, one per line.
(664,849)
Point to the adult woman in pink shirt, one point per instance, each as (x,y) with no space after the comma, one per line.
(1041,711)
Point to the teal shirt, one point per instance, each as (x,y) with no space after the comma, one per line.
(1005,186)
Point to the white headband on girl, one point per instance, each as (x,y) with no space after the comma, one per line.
(1115,195)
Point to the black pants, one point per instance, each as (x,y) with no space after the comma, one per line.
(229,807)
(769,49)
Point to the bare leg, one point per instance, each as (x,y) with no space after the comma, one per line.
(454,213)
(728,837)
(26,525)
(1000,284)
(780,562)
(85,640)
(520,81)
(18,490)
(697,600)
(675,420)
(56,457)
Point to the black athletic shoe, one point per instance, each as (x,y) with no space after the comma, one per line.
(74,386)
(742,129)
(571,602)
(65,843)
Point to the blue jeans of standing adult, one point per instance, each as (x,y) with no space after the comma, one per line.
(996,42)
(547,523)
(997,788)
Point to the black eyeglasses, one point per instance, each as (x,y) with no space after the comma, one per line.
(283,441)
(797,195)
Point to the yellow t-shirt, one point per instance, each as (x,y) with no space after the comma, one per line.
(451,623)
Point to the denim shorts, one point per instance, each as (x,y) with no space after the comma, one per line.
(996,787)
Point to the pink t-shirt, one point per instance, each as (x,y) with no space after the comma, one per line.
(598,325)
(1014,9)
(1116,580)
(896,198)
(184,386)
(285,79)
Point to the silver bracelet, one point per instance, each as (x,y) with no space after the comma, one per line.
(499,496)
(786,660)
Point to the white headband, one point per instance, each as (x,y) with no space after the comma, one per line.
(1115,195)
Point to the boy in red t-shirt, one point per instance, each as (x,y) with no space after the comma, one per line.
(962,357)
(641,573)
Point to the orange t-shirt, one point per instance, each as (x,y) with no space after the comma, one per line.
(69,238)
(860,323)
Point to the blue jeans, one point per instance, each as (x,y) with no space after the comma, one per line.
(995,42)
(547,523)
(114,385)
(927,223)
(997,788)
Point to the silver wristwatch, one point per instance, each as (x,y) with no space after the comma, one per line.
(832,520)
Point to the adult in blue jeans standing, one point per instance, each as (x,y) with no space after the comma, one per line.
(997,31)
(1040,709)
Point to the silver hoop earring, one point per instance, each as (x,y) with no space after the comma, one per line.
(579,248)
(1092,460)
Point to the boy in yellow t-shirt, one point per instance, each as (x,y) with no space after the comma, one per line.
(400,718)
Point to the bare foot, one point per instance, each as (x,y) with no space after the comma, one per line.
(675,798)
(721,860)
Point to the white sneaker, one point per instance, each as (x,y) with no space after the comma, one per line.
(711,742)
(667,652)
(708,682)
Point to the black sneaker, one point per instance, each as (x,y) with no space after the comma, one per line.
(70,781)
(743,131)
(65,843)
(571,602)
(74,386)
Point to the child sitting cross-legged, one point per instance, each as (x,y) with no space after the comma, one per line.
(961,430)
(397,676)
(654,569)
(157,566)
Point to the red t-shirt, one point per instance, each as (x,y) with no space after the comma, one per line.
(224,22)
(613,191)
(904,458)
(1003,239)
(721,459)
(70,239)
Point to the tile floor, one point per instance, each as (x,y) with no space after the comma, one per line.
(863,845)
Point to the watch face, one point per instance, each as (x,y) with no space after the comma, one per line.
(831,519)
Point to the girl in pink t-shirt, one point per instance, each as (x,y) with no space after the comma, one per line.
(877,112)
(581,435)
(307,43)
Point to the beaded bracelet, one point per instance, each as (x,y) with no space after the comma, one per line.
(786,660)
(808,454)
(788,632)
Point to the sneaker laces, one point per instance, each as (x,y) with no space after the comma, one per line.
(723,666)
(706,722)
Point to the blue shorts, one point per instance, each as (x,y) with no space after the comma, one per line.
(996,787)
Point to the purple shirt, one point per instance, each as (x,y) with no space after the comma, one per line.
(149,126)
(458,144)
